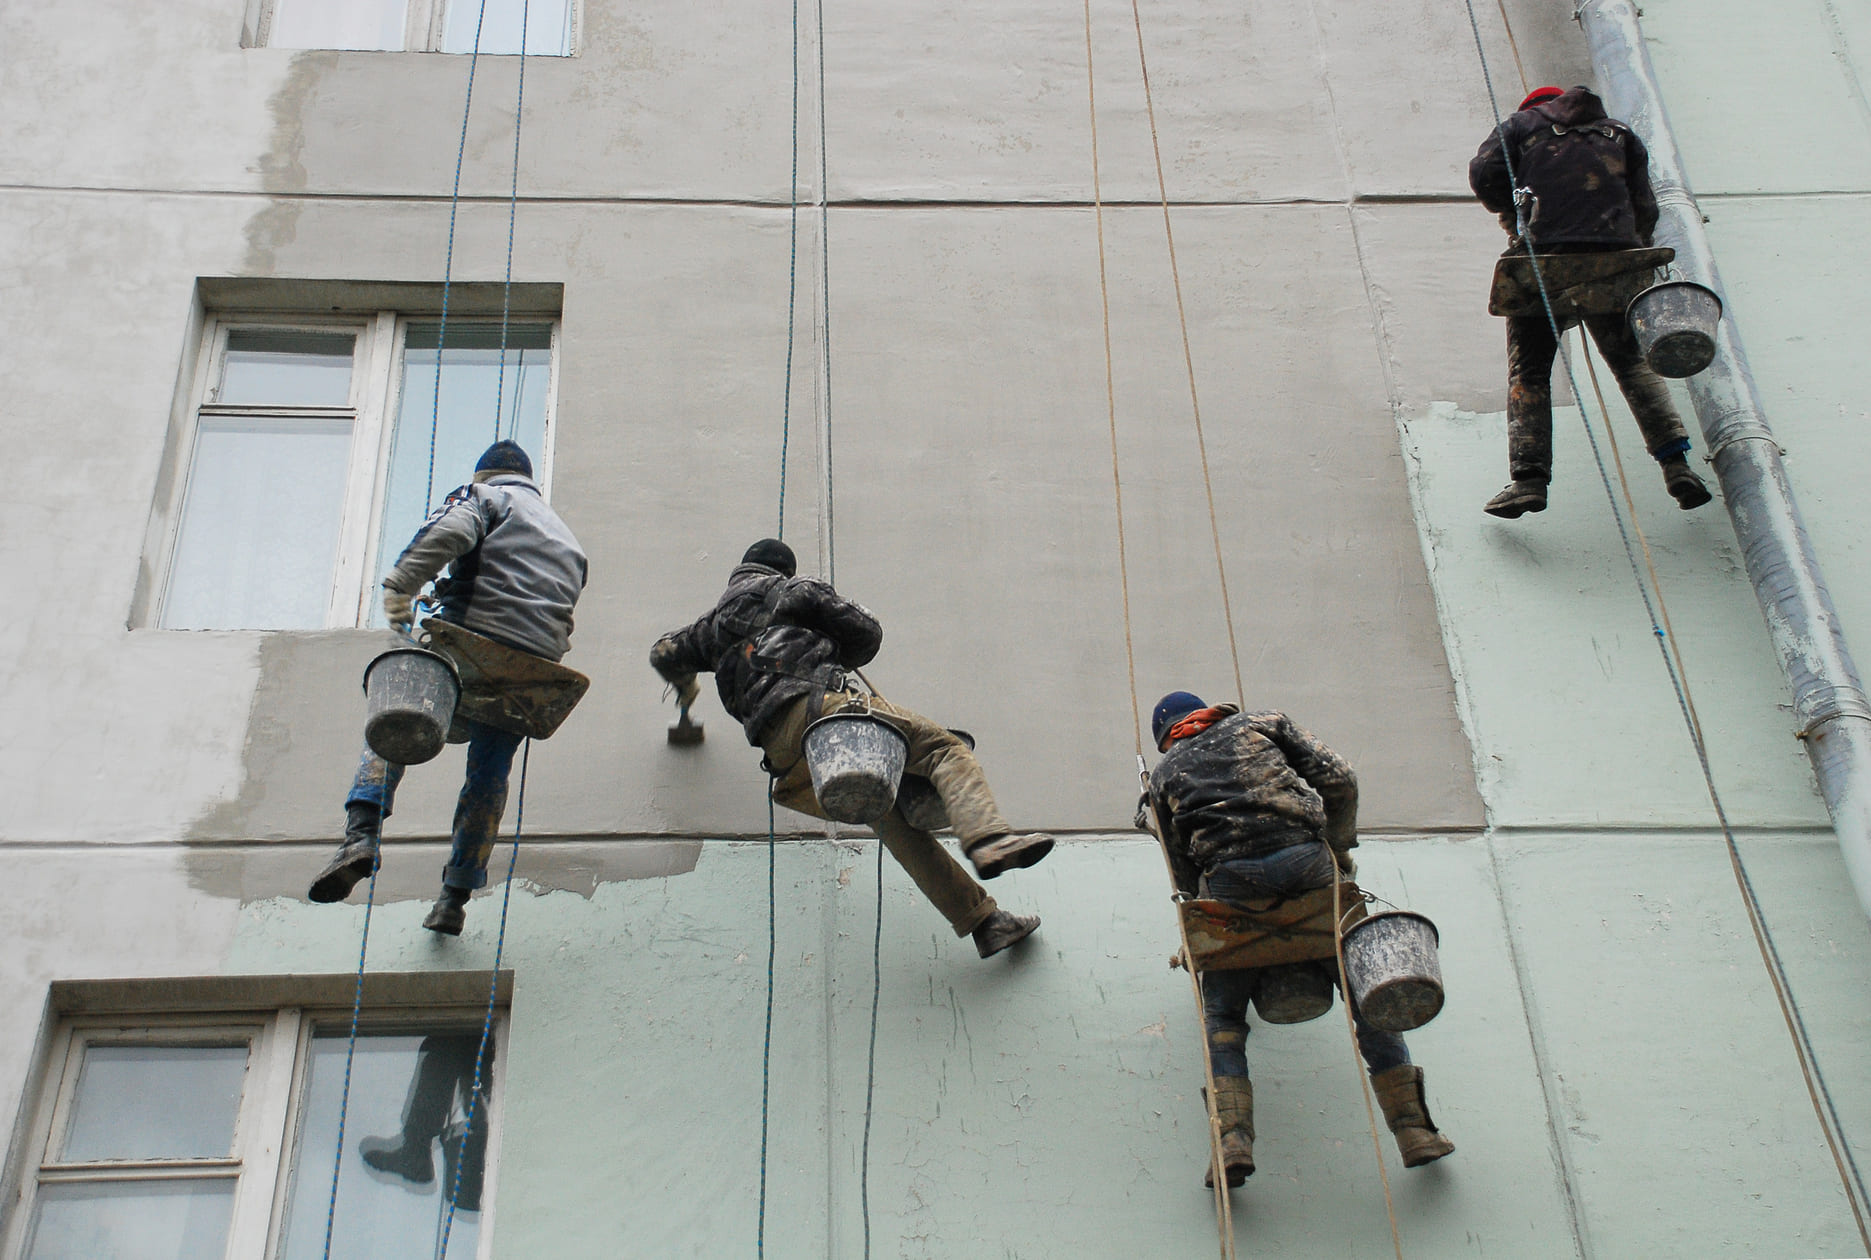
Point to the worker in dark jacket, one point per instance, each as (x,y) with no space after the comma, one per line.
(1251,807)
(514,574)
(1584,181)
(780,648)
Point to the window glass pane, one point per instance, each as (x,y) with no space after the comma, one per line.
(283,368)
(355,24)
(471,376)
(132,1220)
(155,1102)
(548,26)
(405,1137)
(259,532)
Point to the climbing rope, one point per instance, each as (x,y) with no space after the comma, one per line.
(350,1053)
(493,991)
(870,1063)
(825,288)
(792,289)
(506,290)
(1824,1109)
(1357,1051)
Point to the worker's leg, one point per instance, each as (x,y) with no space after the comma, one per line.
(1651,406)
(939,755)
(783,741)
(1225,996)
(373,792)
(1530,351)
(964,903)
(442,1064)
(482,802)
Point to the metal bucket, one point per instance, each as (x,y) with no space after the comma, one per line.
(1293,993)
(1395,974)
(856,762)
(412,696)
(919,802)
(1674,323)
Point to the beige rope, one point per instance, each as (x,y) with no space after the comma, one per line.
(1357,1055)
(1514,46)
(1188,358)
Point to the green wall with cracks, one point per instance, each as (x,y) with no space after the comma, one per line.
(1617,1049)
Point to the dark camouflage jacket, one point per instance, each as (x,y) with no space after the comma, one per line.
(1590,175)
(1248,785)
(770,640)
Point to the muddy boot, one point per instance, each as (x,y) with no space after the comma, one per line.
(1519,498)
(1400,1094)
(1234,1106)
(1001,930)
(449,912)
(357,854)
(400,1157)
(1684,486)
(997,855)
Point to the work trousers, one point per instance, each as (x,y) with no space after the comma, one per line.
(1226,994)
(478,810)
(1531,349)
(935,754)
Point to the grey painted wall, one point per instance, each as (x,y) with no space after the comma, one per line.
(1611,1063)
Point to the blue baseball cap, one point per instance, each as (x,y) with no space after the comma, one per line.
(1171,709)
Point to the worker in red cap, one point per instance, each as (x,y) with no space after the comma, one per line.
(1574,181)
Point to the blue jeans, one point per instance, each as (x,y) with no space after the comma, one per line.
(477,813)
(1225,994)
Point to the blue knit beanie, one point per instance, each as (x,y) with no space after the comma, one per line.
(505,457)
(1171,709)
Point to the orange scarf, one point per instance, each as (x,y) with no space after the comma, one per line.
(1196,723)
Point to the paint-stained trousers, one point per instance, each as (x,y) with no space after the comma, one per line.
(937,755)
(1225,994)
(477,812)
(1531,349)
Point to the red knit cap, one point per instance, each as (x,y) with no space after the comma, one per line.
(1539,94)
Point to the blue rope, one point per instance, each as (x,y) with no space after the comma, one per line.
(350,1052)
(792,284)
(1802,1038)
(766,1048)
(513,207)
(825,277)
(870,1067)
(493,989)
(448,264)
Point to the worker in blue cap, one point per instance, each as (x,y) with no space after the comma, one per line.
(1250,807)
(515,572)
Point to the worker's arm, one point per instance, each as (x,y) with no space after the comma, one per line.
(1489,177)
(452,531)
(814,605)
(1330,775)
(678,655)
(1154,816)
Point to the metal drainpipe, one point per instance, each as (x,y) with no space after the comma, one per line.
(1829,700)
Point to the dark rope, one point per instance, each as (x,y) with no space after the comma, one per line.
(870,1065)
(350,1053)
(766,1044)
(506,292)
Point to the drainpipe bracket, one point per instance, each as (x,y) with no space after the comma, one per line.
(1732,438)
(1840,703)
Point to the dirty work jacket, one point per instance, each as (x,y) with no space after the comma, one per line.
(769,640)
(1590,175)
(514,570)
(1249,785)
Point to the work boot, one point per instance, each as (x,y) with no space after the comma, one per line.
(1400,1094)
(1234,1107)
(400,1156)
(1520,497)
(356,857)
(997,855)
(449,913)
(1684,486)
(1001,930)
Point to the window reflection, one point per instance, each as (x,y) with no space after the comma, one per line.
(155,1102)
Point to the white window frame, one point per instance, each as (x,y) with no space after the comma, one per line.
(375,399)
(266,1127)
(423,25)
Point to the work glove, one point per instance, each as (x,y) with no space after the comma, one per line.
(1141,819)
(398,607)
(687,689)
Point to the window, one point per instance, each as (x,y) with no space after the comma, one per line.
(162,1139)
(417,25)
(307,462)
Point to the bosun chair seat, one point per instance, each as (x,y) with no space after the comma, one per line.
(1226,937)
(1599,282)
(502,686)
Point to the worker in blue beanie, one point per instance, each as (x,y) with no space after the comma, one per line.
(515,572)
(1250,806)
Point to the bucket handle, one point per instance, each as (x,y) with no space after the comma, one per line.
(1363,898)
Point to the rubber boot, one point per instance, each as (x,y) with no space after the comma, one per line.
(1684,486)
(1002,929)
(1519,498)
(400,1157)
(449,913)
(1234,1107)
(1400,1094)
(357,854)
(997,855)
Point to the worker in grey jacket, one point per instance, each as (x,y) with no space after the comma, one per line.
(514,574)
